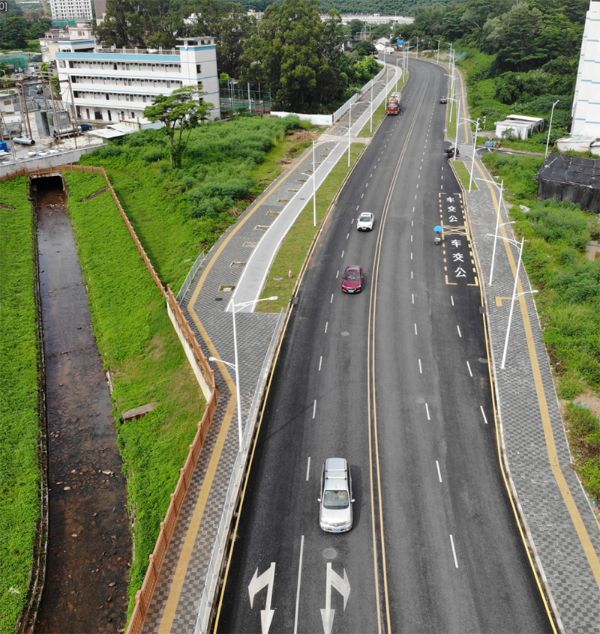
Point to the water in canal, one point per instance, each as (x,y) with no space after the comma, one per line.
(90,543)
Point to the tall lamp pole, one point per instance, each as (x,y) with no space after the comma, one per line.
(550,128)
(236,365)
(314,176)
(497,224)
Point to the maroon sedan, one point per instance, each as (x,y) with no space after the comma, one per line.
(352,280)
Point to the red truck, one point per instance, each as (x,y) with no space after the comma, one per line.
(394,104)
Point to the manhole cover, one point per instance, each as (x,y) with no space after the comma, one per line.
(345,333)
(330,553)
(482,360)
(278,278)
(218,299)
(420,400)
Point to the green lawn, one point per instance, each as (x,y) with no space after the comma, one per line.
(464,174)
(296,244)
(145,358)
(19,413)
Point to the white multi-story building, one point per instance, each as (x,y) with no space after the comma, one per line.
(79,38)
(71,10)
(118,84)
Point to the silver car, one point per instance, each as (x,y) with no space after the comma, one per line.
(336,500)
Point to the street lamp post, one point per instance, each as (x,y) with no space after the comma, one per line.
(550,128)
(236,365)
(512,304)
(474,149)
(314,176)
(371,126)
(350,128)
(452,99)
(497,224)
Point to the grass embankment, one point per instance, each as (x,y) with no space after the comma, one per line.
(179,212)
(296,244)
(19,413)
(569,293)
(145,358)
(381,110)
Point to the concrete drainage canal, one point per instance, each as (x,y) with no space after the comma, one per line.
(89,548)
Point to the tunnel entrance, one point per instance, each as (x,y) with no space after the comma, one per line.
(89,549)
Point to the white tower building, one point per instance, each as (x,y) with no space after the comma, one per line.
(586,104)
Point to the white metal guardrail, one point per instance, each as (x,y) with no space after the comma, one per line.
(218,552)
(340,112)
(190,276)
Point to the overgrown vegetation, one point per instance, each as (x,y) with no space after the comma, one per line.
(568,300)
(569,283)
(179,212)
(584,438)
(19,412)
(147,363)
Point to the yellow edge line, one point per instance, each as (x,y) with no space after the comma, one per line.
(166,623)
(186,552)
(582,533)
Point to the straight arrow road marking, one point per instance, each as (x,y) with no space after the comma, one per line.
(256,585)
(343,587)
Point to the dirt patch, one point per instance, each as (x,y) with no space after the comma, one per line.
(591,399)
(89,549)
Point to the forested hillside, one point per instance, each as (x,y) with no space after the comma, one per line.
(383,7)
(520,56)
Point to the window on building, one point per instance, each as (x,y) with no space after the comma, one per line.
(114,67)
(107,97)
(198,68)
(61,63)
(144,98)
(133,115)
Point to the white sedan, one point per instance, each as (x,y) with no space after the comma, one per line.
(365,222)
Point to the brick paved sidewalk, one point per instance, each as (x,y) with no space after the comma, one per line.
(559,521)
(176,601)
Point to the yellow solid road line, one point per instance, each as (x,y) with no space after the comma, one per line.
(186,552)
(582,533)
(168,617)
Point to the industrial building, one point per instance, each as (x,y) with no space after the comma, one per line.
(115,85)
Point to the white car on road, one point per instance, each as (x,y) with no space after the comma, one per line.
(365,222)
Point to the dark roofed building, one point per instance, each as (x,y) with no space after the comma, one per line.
(568,177)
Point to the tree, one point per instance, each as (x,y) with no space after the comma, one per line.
(39,28)
(13,32)
(179,112)
(230,25)
(365,47)
(296,54)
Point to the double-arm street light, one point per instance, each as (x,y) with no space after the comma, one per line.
(474,148)
(458,101)
(497,223)
(236,365)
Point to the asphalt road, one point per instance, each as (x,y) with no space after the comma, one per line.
(396,380)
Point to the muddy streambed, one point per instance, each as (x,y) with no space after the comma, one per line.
(89,537)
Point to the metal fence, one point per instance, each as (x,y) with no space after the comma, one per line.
(190,276)
(233,490)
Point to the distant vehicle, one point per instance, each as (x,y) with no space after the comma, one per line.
(84,127)
(365,221)
(336,500)
(23,140)
(352,280)
(393,107)
(443,100)
(449,152)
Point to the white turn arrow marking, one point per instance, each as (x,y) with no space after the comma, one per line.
(256,585)
(343,587)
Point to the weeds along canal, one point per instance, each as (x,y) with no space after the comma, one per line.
(89,548)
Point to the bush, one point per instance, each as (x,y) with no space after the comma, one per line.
(561,222)
(584,436)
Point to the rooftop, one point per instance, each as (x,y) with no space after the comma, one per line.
(567,168)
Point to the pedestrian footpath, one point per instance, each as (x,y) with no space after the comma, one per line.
(234,273)
(562,530)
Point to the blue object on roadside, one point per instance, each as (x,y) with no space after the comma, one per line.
(581,405)
(489,144)
(4,146)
